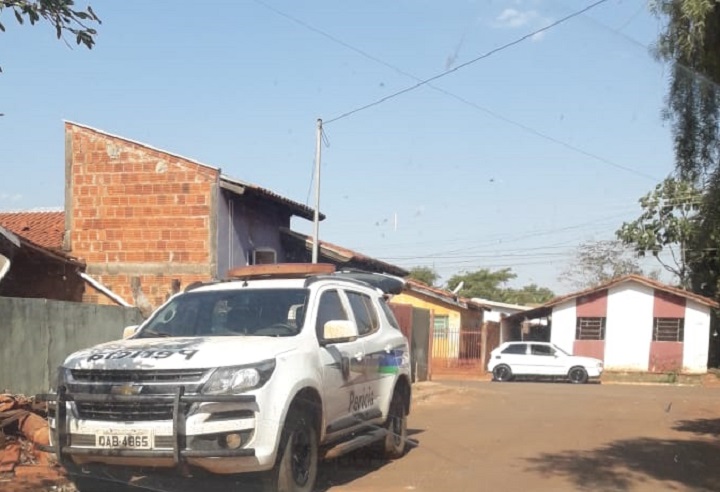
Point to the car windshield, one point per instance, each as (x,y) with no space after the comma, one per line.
(558,349)
(248,312)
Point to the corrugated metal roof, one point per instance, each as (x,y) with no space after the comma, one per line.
(346,255)
(43,228)
(295,207)
(444,295)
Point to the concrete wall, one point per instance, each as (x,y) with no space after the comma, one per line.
(36,335)
(696,337)
(245,225)
(628,333)
(562,333)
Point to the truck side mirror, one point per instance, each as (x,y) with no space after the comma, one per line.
(335,331)
(130,331)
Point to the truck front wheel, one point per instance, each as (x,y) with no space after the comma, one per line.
(296,467)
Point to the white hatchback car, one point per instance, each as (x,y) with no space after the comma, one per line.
(541,359)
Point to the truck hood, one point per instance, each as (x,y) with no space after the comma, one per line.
(180,353)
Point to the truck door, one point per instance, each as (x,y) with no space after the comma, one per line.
(342,365)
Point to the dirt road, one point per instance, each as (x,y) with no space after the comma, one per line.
(551,437)
(538,437)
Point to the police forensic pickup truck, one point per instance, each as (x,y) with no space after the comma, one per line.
(270,371)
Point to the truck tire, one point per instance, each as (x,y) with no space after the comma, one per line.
(396,440)
(296,466)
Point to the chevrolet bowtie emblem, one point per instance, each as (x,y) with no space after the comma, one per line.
(126,390)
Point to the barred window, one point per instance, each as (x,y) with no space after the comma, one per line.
(668,329)
(590,329)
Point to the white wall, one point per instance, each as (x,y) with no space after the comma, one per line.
(564,322)
(697,333)
(628,332)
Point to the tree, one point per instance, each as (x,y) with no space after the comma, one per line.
(597,262)
(424,274)
(482,283)
(61,14)
(667,223)
(491,285)
(528,295)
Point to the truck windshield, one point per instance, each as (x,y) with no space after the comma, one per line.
(250,312)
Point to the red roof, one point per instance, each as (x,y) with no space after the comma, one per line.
(45,229)
(706,301)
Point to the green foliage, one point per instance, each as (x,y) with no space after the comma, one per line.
(424,274)
(597,262)
(667,223)
(61,14)
(491,285)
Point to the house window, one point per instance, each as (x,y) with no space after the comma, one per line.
(668,329)
(264,256)
(590,329)
(442,324)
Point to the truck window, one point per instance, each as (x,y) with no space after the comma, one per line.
(330,308)
(364,311)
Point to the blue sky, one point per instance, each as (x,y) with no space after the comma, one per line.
(422,179)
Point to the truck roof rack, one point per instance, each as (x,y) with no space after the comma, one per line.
(280,270)
(389,284)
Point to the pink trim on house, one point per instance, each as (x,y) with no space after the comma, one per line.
(665,356)
(668,305)
(590,348)
(592,305)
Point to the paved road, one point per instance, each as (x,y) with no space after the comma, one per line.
(539,437)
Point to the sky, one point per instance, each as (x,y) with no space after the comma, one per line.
(509,161)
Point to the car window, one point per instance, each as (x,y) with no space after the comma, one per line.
(389,314)
(517,348)
(542,350)
(330,308)
(364,311)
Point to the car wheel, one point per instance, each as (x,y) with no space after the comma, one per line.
(502,373)
(296,467)
(578,375)
(396,425)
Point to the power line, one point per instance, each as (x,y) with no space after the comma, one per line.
(458,98)
(467,63)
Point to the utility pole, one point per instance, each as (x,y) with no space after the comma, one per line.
(316,225)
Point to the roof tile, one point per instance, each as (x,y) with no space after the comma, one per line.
(45,229)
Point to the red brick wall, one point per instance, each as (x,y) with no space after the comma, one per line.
(137,212)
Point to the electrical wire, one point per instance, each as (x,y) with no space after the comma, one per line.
(467,63)
(454,96)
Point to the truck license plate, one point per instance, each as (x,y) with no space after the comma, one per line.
(139,439)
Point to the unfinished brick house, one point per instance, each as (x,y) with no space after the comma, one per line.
(148,222)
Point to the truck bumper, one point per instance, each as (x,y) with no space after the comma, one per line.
(178,447)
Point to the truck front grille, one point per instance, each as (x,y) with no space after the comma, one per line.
(125,376)
(116,411)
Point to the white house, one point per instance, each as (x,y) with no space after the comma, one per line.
(632,323)
(498,310)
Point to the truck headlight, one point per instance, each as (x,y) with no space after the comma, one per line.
(237,379)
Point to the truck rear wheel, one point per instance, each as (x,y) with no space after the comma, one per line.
(396,425)
(296,466)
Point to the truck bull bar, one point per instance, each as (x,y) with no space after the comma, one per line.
(178,453)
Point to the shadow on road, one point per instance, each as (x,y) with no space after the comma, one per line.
(340,471)
(699,426)
(623,464)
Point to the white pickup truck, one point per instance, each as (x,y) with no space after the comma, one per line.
(269,371)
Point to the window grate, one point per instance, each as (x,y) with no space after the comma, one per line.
(590,329)
(668,329)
